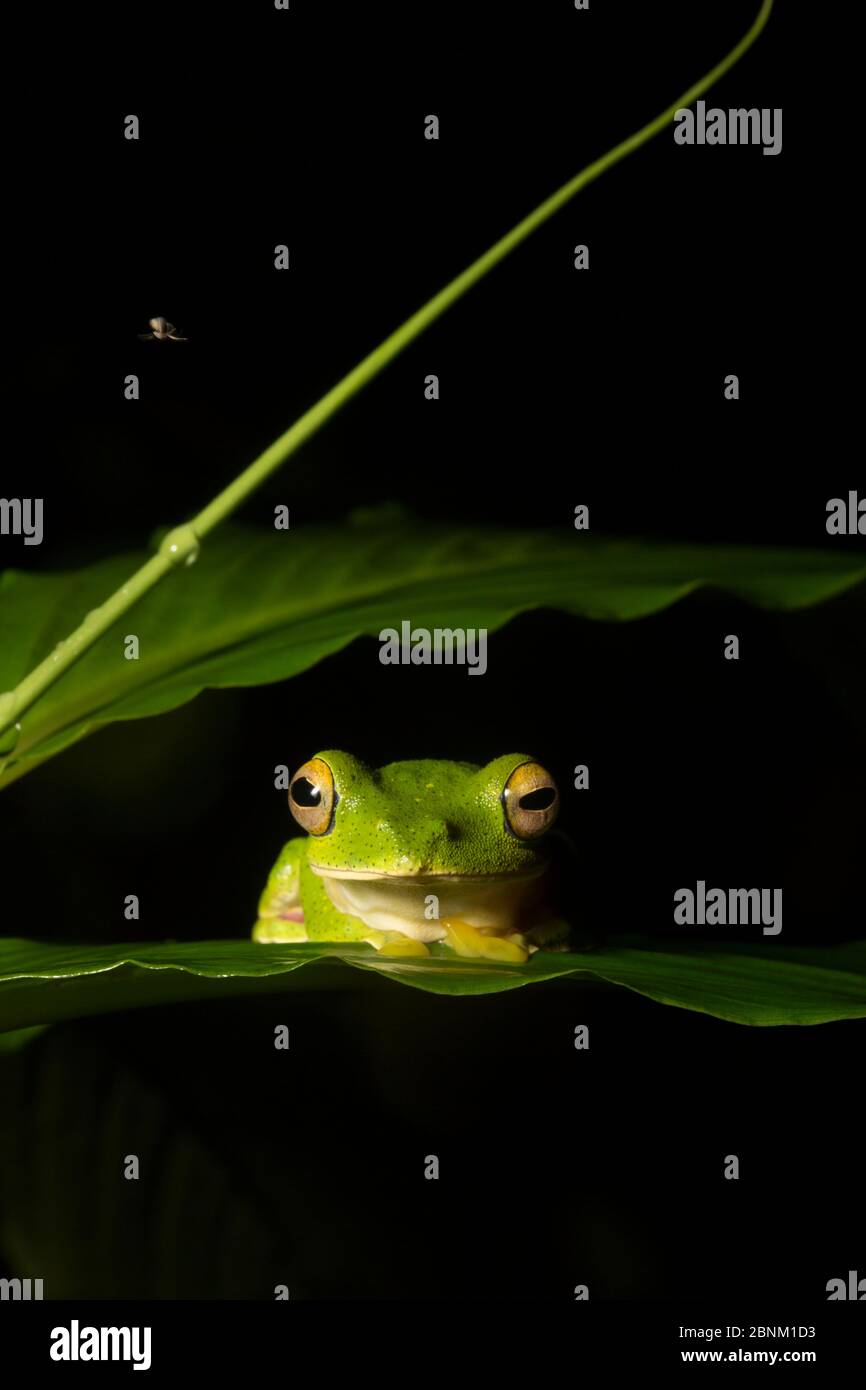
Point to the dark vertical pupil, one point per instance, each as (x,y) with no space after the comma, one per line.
(539,800)
(305,792)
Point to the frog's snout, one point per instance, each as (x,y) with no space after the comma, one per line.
(424,851)
(435,832)
(444,830)
(440,833)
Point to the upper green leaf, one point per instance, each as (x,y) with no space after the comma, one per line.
(261,605)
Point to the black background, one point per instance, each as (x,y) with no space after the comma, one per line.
(557,388)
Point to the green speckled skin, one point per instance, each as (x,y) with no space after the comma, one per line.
(292,882)
(409,818)
(426,817)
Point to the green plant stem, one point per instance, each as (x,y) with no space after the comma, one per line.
(181,545)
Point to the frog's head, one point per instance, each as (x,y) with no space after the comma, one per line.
(390,842)
(423,820)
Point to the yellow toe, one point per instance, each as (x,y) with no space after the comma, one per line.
(403,946)
(463,939)
(473,944)
(277,931)
(499,948)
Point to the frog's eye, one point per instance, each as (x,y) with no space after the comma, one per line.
(312,796)
(531,801)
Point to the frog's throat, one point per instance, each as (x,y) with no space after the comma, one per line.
(418,904)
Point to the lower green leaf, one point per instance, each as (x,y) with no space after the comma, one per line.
(760,985)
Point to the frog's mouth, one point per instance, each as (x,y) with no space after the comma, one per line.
(418,904)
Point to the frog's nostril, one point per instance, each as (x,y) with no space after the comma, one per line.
(446,829)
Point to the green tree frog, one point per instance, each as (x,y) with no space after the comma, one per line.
(416,853)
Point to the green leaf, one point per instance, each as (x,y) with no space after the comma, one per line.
(63,1218)
(767,984)
(19,1038)
(260,606)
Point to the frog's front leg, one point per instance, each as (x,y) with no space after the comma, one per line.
(296,907)
(281,914)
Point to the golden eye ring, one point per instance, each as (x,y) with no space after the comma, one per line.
(313,797)
(530,800)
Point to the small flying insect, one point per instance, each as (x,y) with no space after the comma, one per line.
(161,329)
